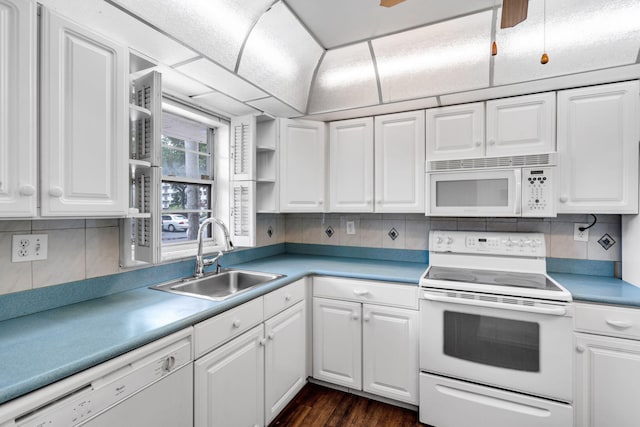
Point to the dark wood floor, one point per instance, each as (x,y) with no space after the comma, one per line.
(319,406)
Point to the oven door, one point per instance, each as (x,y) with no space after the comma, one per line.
(526,348)
(474,193)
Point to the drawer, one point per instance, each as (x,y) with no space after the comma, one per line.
(608,320)
(221,328)
(285,297)
(384,293)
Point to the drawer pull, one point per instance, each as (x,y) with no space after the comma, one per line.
(580,348)
(236,324)
(287,297)
(360,292)
(620,324)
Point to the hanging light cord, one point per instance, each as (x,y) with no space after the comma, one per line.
(590,225)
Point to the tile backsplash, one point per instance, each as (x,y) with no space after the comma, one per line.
(411,231)
(77,249)
(88,248)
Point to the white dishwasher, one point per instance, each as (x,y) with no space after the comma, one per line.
(149,386)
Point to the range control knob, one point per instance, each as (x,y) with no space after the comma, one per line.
(508,243)
(449,240)
(438,240)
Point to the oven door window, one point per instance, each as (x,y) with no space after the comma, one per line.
(493,341)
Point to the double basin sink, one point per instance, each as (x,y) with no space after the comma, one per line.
(218,286)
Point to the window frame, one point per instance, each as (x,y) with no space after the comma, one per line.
(219,181)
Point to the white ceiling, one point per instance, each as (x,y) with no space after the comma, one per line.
(340,22)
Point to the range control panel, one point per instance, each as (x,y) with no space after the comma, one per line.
(537,192)
(491,243)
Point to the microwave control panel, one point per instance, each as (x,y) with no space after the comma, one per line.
(537,192)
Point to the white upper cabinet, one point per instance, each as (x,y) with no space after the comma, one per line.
(515,126)
(455,132)
(399,162)
(303,151)
(18,196)
(84,121)
(521,125)
(351,165)
(598,132)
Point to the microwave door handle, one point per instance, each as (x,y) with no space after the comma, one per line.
(517,209)
(555,311)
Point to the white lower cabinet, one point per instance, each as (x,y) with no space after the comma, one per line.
(369,347)
(250,379)
(285,358)
(390,352)
(229,383)
(607,381)
(337,342)
(607,363)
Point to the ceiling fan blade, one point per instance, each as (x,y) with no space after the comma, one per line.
(513,12)
(390,3)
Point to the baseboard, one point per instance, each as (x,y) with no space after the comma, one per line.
(364,394)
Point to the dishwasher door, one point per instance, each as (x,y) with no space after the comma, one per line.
(151,386)
(167,403)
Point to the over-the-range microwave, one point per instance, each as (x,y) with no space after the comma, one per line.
(493,187)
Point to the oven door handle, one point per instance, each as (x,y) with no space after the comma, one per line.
(555,311)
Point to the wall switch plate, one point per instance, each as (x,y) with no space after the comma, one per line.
(29,247)
(580,236)
(351,227)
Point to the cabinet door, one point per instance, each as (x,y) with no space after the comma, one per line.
(455,132)
(229,383)
(521,125)
(18,108)
(84,147)
(351,165)
(390,352)
(303,149)
(607,381)
(337,346)
(399,162)
(285,358)
(598,149)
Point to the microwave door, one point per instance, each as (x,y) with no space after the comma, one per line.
(474,193)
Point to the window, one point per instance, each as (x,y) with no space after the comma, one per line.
(186,194)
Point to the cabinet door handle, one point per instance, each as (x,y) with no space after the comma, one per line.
(354,316)
(27,190)
(262,341)
(271,335)
(361,292)
(366,318)
(55,191)
(478,143)
(580,348)
(492,142)
(620,324)
(564,198)
(236,324)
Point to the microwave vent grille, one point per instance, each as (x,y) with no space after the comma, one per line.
(546,159)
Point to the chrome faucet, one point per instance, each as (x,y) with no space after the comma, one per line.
(228,246)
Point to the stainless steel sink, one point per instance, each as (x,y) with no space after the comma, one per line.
(218,286)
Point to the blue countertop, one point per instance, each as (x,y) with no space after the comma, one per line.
(599,289)
(41,348)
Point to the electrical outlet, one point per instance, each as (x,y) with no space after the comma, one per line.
(580,236)
(351,227)
(29,247)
